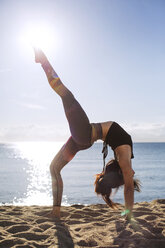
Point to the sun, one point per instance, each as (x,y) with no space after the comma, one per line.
(39,35)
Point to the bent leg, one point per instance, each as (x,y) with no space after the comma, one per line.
(66,154)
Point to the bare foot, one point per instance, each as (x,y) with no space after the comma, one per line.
(40,57)
(55,213)
(52,215)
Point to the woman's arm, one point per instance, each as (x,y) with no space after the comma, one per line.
(123,154)
(128,187)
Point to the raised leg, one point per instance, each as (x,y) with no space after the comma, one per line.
(80,127)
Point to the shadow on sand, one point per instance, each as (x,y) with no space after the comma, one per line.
(63,235)
(138,233)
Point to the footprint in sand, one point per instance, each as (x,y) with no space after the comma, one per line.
(76,216)
(8,243)
(6,223)
(73,222)
(18,228)
(39,221)
(77,229)
(94,214)
(156,230)
(44,226)
(151,217)
(87,243)
(36,229)
(143,209)
(77,206)
(99,224)
(1,236)
(31,236)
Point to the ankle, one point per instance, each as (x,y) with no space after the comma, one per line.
(56,211)
(45,63)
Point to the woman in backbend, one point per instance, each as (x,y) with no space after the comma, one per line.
(83,135)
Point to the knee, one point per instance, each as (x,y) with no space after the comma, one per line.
(54,168)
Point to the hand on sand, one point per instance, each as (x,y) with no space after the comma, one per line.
(129,217)
(40,57)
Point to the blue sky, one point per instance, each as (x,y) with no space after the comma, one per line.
(109,53)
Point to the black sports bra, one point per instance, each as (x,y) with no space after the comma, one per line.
(115,137)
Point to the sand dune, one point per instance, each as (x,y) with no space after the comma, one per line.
(83,226)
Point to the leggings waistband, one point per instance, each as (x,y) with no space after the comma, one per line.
(96,132)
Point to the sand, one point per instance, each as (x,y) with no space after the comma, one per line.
(83,226)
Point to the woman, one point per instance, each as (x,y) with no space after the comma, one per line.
(83,135)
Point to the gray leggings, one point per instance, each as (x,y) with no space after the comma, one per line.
(80,128)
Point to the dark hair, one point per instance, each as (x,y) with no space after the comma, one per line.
(112,177)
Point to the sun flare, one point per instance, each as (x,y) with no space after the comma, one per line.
(40,35)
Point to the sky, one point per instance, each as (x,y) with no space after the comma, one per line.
(109,53)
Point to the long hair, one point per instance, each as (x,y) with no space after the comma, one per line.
(112,177)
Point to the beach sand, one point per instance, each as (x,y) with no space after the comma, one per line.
(83,226)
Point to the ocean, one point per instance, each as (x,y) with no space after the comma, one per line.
(25,177)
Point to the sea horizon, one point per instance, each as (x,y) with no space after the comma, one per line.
(25,177)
